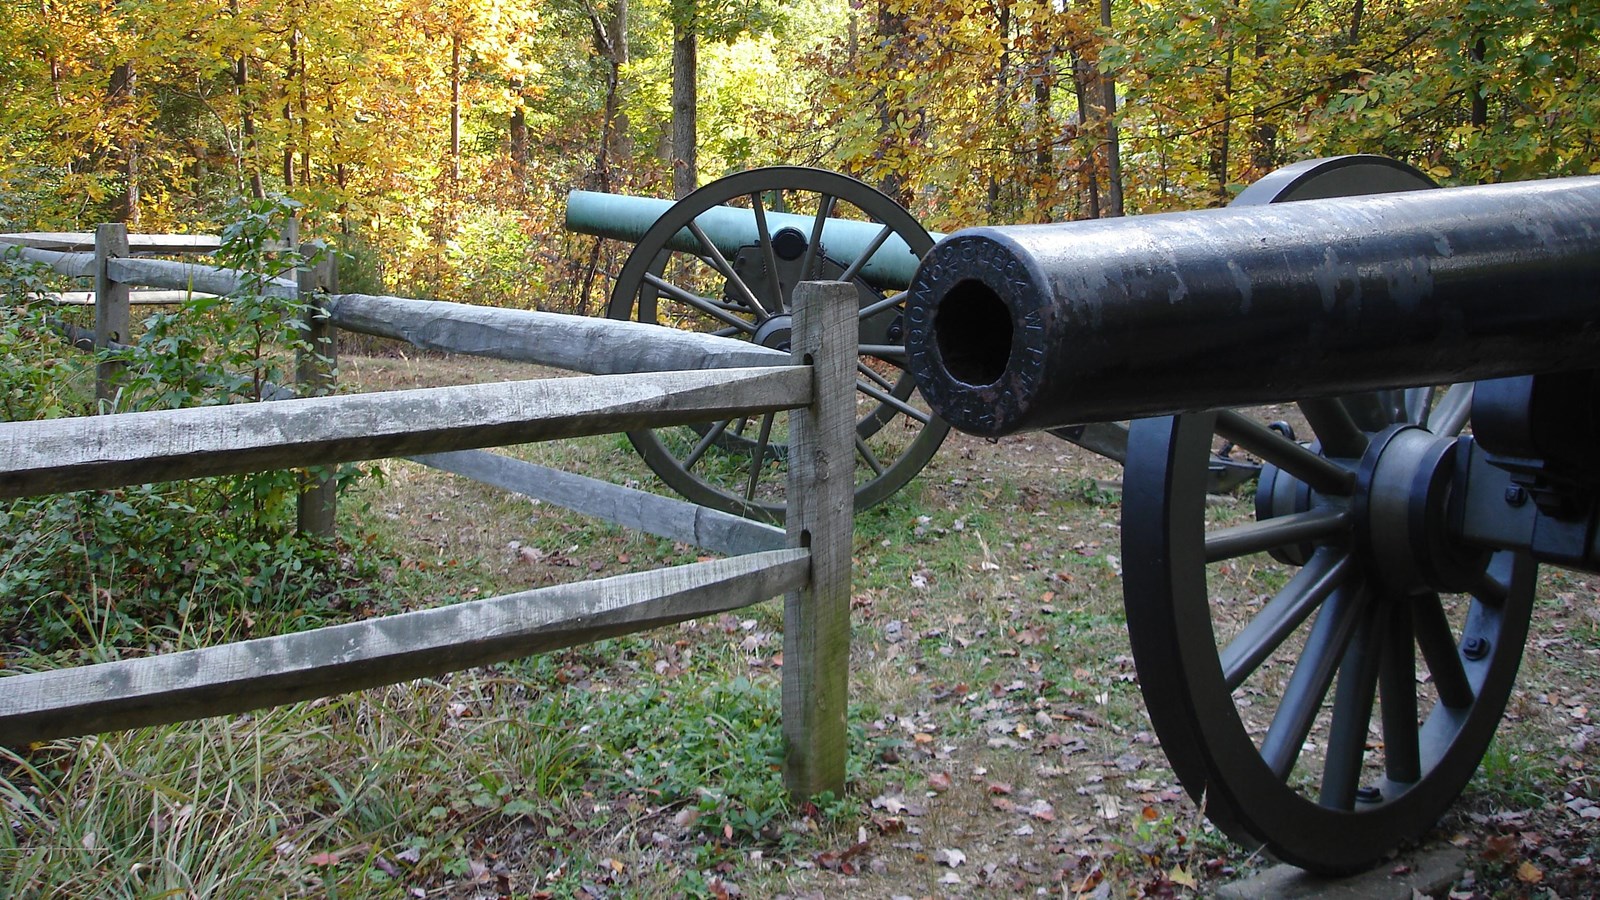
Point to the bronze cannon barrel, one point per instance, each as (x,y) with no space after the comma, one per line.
(1030,327)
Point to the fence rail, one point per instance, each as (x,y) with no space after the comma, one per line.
(671,378)
(56,455)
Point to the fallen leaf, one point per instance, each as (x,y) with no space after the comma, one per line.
(949,856)
(1528,873)
(1500,847)
(323,859)
(1179,875)
(1042,810)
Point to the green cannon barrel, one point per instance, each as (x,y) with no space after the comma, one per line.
(624,218)
(1030,327)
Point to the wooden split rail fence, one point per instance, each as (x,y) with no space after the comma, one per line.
(641,376)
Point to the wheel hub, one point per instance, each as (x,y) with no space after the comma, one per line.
(775,331)
(1401,504)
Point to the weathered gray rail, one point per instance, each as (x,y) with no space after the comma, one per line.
(572,343)
(813,571)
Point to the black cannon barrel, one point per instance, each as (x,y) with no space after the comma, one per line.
(1028,327)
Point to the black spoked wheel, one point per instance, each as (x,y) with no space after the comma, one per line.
(1326,675)
(1325,670)
(725,260)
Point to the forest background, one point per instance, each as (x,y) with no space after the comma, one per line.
(433,141)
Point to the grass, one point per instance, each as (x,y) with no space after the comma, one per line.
(995,713)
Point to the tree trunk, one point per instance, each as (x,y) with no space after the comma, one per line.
(611,42)
(518,130)
(1113,143)
(1224,148)
(1263,133)
(1083,78)
(1001,106)
(621,128)
(288,111)
(685,71)
(1480,99)
(891,33)
(246,159)
(455,108)
(121,96)
(1043,154)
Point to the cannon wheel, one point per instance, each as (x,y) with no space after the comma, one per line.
(1290,707)
(738,465)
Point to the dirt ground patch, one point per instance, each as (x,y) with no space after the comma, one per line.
(1014,753)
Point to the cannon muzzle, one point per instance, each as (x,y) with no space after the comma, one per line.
(1031,327)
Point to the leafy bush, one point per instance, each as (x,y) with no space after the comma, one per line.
(162,561)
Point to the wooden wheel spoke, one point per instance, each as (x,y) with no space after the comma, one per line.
(872,247)
(703,304)
(1490,590)
(1372,411)
(874,377)
(1418,401)
(868,457)
(888,399)
(1438,644)
(1397,693)
(1313,675)
(768,255)
(1322,474)
(1352,710)
(717,261)
(706,440)
(1451,415)
(1280,531)
(890,352)
(1335,429)
(888,302)
(758,456)
(810,260)
(1325,571)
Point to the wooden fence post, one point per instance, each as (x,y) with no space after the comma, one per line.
(111,316)
(816,621)
(315,366)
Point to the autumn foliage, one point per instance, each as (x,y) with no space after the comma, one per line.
(435,139)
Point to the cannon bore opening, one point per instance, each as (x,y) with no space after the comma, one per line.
(973,328)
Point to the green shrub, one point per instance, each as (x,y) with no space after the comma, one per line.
(158,562)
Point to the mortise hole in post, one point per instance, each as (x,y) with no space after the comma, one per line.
(807,360)
(973,329)
(805,538)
